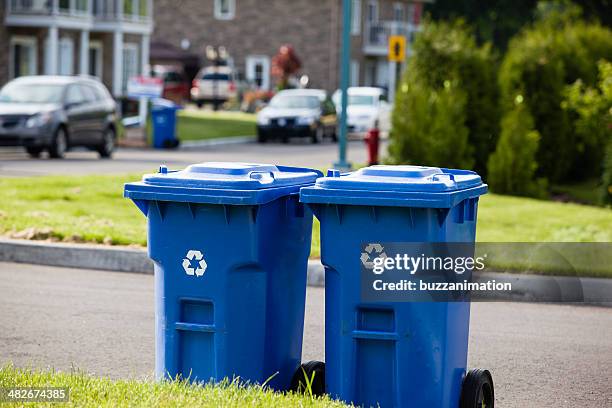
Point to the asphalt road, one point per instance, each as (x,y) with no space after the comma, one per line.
(102,322)
(15,162)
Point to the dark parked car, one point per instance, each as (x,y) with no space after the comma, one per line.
(300,113)
(55,113)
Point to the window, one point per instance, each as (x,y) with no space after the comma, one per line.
(258,71)
(74,96)
(88,93)
(65,62)
(22,56)
(372,14)
(354,73)
(130,63)
(410,13)
(225,9)
(398,12)
(356,18)
(95,59)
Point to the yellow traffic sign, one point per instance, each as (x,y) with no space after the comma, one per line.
(397,48)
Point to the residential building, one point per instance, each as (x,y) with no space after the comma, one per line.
(109,39)
(252,31)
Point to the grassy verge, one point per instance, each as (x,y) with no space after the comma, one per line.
(197,125)
(87,391)
(92,209)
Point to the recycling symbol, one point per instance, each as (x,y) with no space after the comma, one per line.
(194,263)
(372,250)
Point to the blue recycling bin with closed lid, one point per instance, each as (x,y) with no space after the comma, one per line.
(230,244)
(392,354)
(164,121)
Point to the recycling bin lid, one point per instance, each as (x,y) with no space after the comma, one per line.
(404,186)
(222,183)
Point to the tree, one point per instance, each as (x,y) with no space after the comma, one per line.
(284,64)
(540,62)
(456,80)
(592,107)
(513,166)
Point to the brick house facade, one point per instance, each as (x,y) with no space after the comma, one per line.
(109,39)
(253,30)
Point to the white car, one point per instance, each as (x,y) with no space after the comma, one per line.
(213,85)
(367,109)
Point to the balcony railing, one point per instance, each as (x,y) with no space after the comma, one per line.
(74,8)
(103,10)
(376,36)
(122,10)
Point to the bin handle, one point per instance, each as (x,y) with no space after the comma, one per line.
(264,177)
(435,177)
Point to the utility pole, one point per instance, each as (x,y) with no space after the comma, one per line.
(345,57)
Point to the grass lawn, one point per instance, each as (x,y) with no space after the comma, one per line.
(200,124)
(586,192)
(92,209)
(88,391)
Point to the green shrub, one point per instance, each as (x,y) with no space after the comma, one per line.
(439,136)
(450,73)
(606,180)
(541,61)
(513,166)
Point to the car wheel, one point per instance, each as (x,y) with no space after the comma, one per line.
(200,104)
(261,137)
(317,134)
(59,145)
(108,144)
(334,135)
(34,152)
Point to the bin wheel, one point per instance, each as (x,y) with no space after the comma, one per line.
(312,372)
(477,390)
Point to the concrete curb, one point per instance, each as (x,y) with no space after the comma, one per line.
(82,256)
(527,288)
(220,141)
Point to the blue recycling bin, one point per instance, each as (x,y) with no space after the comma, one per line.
(230,243)
(392,354)
(163,121)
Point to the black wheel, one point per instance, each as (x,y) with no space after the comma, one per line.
(34,152)
(108,144)
(477,390)
(309,376)
(261,137)
(199,104)
(334,135)
(317,134)
(284,139)
(59,144)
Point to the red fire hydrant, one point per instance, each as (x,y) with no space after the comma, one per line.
(372,140)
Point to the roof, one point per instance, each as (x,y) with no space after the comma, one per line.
(363,90)
(320,93)
(56,79)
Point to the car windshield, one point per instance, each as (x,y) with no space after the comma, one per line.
(31,93)
(215,76)
(295,102)
(363,100)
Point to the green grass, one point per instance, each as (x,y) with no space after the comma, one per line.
(586,192)
(197,125)
(88,391)
(92,209)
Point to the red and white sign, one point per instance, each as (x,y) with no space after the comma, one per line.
(145,87)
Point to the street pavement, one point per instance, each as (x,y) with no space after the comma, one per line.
(540,355)
(15,162)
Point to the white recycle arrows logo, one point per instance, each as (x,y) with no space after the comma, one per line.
(194,255)
(371,249)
